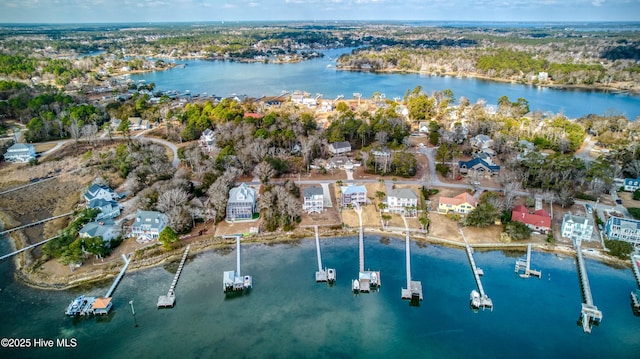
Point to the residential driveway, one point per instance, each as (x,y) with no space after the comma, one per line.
(326,195)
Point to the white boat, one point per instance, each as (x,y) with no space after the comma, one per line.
(331,274)
(475,298)
(356,285)
(247,282)
(75,307)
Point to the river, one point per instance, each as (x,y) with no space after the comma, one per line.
(288,315)
(223,78)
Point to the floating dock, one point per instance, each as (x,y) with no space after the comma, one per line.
(413,292)
(367,280)
(589,313)
(323,274)
(234,281)
(169,300)
(635,295)
(478,299)
(524,265)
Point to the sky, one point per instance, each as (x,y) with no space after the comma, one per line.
(106,11)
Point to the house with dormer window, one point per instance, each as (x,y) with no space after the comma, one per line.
(242,203)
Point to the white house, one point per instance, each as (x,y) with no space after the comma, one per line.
(108,209)
(20,152)
(623,229)
(313,199)
(631,184)
(103,229)
(338,148)
(576,228)
(242,203)
(148,224)
(402,201)
(423,127)
(97,191)
(207,139)
(481,142)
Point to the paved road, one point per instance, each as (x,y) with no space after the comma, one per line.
(583,153)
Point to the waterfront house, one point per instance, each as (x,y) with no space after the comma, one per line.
(479,165)
(338,148)
(313,199)
(631,184)
(623,229)
(207,139)
(148,224)
(98,191)
(20,153)
(104,229)
(462,204)
(539,221)
(353,194)
(402,201)
(577,228)
(242,203)
(108,209)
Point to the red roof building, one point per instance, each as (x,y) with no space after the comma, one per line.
(539,221)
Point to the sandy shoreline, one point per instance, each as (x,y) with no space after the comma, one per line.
(154,256)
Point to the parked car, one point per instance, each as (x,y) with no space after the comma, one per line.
(618,201)
(589,208)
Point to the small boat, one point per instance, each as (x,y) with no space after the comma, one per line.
(331,275)
(76,306)
(247,281)
(356,285)
(475,299)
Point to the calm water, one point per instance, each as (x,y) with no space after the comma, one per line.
(257,79)
(288,315)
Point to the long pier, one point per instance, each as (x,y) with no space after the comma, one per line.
(413,291)
(635,295)
(524,265)
(478,299)
(589,312)
(366,280)
(169,300)
(323,274)
(27,248)
(35,223)
(119,277)
(234,281)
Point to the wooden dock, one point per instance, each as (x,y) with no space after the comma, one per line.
(589,313)
(119,277)
(413,292)
(524,265)
(367,280)
(234,281)
(635,295)
(478,299)
(27,248)
(169,300)
(323,274)
(34,223)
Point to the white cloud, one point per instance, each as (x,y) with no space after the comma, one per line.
(597,2)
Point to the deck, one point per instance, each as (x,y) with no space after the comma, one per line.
(589,313)
(523,266)
(169,300)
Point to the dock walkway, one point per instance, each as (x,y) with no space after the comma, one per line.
(169,300)
(524,265)
(119,277)
(478,299)
(27,248)
(323,274)
(367,280)
(590,312)
(34,223)
(413,291)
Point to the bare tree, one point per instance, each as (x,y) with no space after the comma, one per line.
(633,168)
(264,171)
(74,130)
(168,200)
(89,132)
